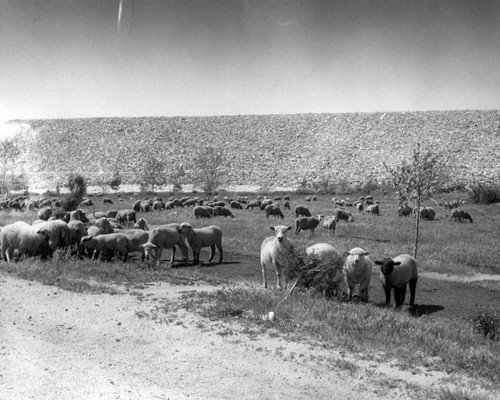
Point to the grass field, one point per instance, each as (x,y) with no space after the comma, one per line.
(440,331)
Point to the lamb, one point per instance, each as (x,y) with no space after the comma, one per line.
(141,224)
(276,251)
(24,238)
(107,245)
(273,210)
(343,215)
(165,237)
(201,212)
(460,215)
(222,211)
(302,211)
(307,223)
(373,209)
(396,273)
(125,217)
(330,224)
(357,270)
(136,237)
(209,236)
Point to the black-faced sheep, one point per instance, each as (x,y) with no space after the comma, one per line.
(208,236)
(276,252)
(357,270)
(307,223)
(343,215)
(272,210)
(302,211)
(24,238)
(397,273)
(107,245)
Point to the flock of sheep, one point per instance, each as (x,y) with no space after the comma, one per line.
(110,235)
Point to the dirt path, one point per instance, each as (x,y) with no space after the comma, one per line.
(62,345)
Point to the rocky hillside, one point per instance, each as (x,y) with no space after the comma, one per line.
(274,150)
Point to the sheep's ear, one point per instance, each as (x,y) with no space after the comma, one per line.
(397,263)
(366,253)
(272,228)
(288,228)
(378,262)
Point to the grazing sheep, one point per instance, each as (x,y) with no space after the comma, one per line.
(145,206)
(359,205)
(323,253)
(236,205)
(99,215)
(330,224)
(111,213)
(141,224)
(86,203)
(158,205)
(302,211)
(76,231)
(136,206)
(24,238)
(264,203)
(404,210)
(286,204)
(396,273)
(78,215)
(273,210)
(373,209)
(165,237)
(201,212)
(107,200)
(460,215)
(357,270)
(125,217)
(107,245)
(45,213)
(209,236)
(427,213)
(253,204)
(276,251)
(136,237)
(104,226)
(307,223)
(222,211)
(343,215)
(58,233)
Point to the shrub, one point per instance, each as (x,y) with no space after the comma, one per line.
(487,322)
(484,193)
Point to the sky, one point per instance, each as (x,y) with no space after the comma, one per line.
(74,59)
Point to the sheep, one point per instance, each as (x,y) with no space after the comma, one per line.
(86,203)
(343,215)
(76,231)
(307,223)
(104,225)
(58,233)
(78,215)
(396,273)
(136,237)
(273,210)
(126,216)
(427,213)
(323,253)
(141,224)
(302,211)
(145,206)
(158,205)
(107,245)
(107,200)
(209,236)
(201,212)
(222,211)
(45,213)
(373,209)
(236,205)
(24,238)
(253,204)
(404,210)
(330,224)
(357,269)
(165,237)
(136,206)
(264,203)
(111,213)
(276,251)
(359,205)
(286,204)
(460,215)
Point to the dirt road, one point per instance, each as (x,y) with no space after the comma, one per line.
(57,344)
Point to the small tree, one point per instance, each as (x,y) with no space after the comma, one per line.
(417,180)
(9,153)
(209,169)
(77,186)
(177,178)
(115,181)
(153,174)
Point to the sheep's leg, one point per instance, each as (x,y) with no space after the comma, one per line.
(158,255)
(219,247)
(387,291)
(264,273)
(212,253)
(403,294)
(413,287)
(363,293)
(277,268)
(172,259)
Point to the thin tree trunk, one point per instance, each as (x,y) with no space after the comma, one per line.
(417,225)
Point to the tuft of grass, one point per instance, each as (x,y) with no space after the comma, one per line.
(487,323)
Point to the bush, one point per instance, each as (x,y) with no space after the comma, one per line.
(487,322)
(484,193)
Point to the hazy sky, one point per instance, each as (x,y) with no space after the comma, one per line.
(67,58)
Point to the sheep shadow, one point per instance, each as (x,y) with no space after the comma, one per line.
(417,310)
(367,238)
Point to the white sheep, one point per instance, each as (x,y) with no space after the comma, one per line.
(397,273)
(20,236)
(276,251)
(373,209)
(126,216)
(307,223)
(165,237)
(141,224)
(357,270)
(108,245)
(209,236)
(76,231)
(136,237)
(323,253)
(330,224)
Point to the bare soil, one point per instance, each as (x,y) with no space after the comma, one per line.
(63,345)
